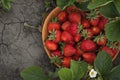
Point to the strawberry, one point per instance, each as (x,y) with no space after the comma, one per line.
(69,50)
(87,33)
(102,22)
(71,9)
(83,14)
(66,61)
(65,25)
(85,23)
(110,51)
(94,22)
(93,17)
(62,16)
(77,37)
(101,40)
(66,36)
(96,30)
(53,25)
(76,58)
(79,52)
(115,50)
(88,45)
(89,57)
(51,45)
(74,29)
(57,53)
(71,43)
(74,17)
(55,35)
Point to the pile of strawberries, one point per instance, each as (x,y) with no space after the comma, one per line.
(77,35)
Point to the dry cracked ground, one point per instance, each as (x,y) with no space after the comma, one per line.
(20,46)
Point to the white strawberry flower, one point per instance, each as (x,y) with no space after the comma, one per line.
(92,73)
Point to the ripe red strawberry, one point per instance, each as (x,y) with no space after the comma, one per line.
(101,40)
(53,25)
(102,22)
(87,34)
(55,35)
(65,25)
(76,58)
(83,14)
(77,37)
(62,16)
(90,33)
(79,52)
(71,43)
(74,17)
(89,57)
(88,45)
(85,23)
(71,9)
(94,22)
(73,28)
(57,53)
(110,51)
(66,36)
(69,50)
(96,30)
(51,45)
(115,50)
(66,61)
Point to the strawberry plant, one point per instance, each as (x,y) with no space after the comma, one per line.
(79,70)
(6,4)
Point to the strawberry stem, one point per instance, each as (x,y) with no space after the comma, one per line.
(56,59)
(54,19)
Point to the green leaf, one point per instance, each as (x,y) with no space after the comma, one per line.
(98,3)
(53,75)
(64,3)
(78,69)
(113,30)
(65,74)
(109,11)
(34,73)
(115,73)
(82,5)
(117,5)
(103,63)
(6,4)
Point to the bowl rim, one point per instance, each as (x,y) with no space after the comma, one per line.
(44,28)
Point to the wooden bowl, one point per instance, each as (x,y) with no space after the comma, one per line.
(54,12)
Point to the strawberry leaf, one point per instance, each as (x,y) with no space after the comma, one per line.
(82,5)
(109,11)
(98,3)
(34,73)
(115,73)
(64,3)
(112,30)
(117,5)
(56,59)
(78,69)
(103,63)
(65,74)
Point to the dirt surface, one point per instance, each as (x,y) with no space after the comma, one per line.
(20,46)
